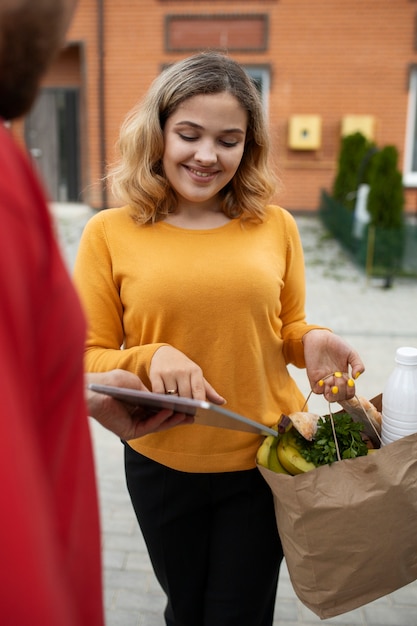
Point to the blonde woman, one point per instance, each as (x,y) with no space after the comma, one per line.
(196,285)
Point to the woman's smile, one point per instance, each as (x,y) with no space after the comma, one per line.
(204,174)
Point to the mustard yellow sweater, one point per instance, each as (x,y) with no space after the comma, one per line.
(231,298)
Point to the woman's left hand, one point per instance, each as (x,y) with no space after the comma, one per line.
(332,365)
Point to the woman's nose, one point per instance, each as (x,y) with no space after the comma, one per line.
(206,153)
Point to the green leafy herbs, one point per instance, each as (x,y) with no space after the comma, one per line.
(322,450)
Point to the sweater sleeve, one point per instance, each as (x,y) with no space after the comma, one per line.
(100,296)
(293,296)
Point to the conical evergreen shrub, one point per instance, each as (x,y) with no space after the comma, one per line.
(386,195)
(353,168)
(386,209)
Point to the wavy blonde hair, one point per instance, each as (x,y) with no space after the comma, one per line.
(138,178)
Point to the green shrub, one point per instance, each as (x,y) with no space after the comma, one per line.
(386,210)
(386,194)
(353,168)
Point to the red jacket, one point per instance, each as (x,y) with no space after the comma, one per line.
(50,570)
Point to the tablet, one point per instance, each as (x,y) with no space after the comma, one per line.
(204,413)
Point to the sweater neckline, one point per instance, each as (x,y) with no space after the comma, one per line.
(197,231)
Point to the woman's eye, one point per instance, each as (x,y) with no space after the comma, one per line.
(229,144)
(187,137)
(223,142)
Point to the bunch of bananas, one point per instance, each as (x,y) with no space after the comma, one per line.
(281,454)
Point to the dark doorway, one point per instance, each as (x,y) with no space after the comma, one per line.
(52,137)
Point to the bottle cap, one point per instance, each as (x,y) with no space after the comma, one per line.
(406,356)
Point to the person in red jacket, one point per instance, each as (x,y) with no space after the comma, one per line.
(50,572)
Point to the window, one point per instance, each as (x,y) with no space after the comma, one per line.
(261,78)
(410,158)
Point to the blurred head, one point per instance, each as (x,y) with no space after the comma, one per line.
(138,178)
(31,33)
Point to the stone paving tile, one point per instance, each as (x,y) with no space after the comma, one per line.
(149,619)
(141,600)
(405,596)
(128,580)
(136,561)
(124,618)
(113,559)
(286,610)
(390,616)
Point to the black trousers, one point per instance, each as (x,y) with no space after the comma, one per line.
(212,540)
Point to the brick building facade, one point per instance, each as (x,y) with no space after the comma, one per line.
(324,68)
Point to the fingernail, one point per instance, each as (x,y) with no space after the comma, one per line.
(321,383)
(335,390)
(350,383)
(357,375)
(338,374)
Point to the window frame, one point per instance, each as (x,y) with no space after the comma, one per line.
(410,149)
(262,72)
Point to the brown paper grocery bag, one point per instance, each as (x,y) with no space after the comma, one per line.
(349,530)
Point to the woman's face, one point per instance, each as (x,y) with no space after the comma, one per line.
(204,142)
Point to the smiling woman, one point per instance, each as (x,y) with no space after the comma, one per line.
(138,178)
(202,282)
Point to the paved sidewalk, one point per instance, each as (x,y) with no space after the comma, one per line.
(375,320)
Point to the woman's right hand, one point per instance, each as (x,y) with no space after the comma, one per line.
(172,371)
